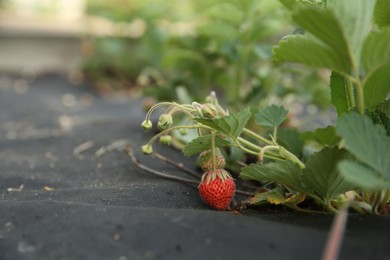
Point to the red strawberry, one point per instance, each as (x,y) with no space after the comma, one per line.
(206,160)
(217,189)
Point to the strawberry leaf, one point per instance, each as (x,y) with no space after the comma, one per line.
(203,143)
(321,175)
(368,142)
(382,13)
(271,116)
(231,125)
(381,115)
(324,136)
(355,17)
(376,86)
(282,172)
(290,139)
(301,49)
(328,49)
(376,50)
(326,27)
(339,93)
(362,176)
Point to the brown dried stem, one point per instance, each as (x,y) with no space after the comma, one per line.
(129,151)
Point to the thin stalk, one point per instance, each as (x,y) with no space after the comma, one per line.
(251,145)
(385,199)
(255,147)
(351,97)
(270,155)
(237,144)
(149,113)
(178,165)
(213,150)
(360,97)
(366,197)
(256,136)
(130,153)
(275,134)
(377,202)
(154,138)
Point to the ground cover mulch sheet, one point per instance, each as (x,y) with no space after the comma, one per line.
(69,192)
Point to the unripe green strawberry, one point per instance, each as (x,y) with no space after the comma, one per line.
(206,160)
(217,189)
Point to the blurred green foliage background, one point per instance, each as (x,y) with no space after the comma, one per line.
(183,49)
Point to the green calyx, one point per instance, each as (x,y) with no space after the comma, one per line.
(166,140)
(147,149)
(147,125)
(208,110)
(164,121)
(212,175)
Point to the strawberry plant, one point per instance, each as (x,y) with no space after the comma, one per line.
(349,167)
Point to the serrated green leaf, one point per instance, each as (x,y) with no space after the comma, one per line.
(377,86)
(289,4)
(290,139)
(380,117)
(262,197)
(324,136)
(355,17)
(301,49)
(376,50)
(231,125)
(322,175)
(339,93)
(271,116)
(363,177)
(203,143)
(325,26)
(385,107)
(382,13)
(282,172)
(368,142)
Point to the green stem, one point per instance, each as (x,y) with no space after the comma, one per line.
(155,138)
(247,143)
(330,207)
(258,137)
(385,199)
(360,97)
(275,134)
(377,202)
(184,108)
(359,90)
(265,149)
(213,150)
(351,97)
(270,156)
(366,197)
(290,156)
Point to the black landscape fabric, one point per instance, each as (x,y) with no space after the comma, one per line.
(69,192)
